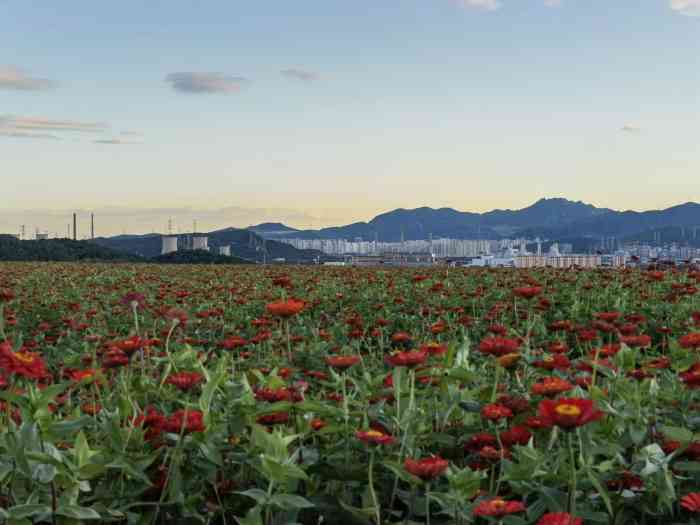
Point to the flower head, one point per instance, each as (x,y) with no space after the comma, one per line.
(568,413)
(426,469)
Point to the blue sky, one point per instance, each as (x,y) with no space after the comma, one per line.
(319,112)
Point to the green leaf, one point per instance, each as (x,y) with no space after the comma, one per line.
(260,496)
(687,466)
(27,511)
(290,501)
(79,513)
(683,435)
(601,490)
(254,517)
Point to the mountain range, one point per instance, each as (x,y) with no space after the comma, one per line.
(554,218)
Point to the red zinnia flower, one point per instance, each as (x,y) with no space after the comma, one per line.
(25,364)
(115,358)
(555,362)
(636,341)
(342,362)
(691,341)
(569,413)
(434,348)
(691,502)
(273,419)
(374,437)
(185,380)
(499,346)
(426,469)
(130,345)
(288,308)
(410,358)
(559,518)
(691,378)
(498,507)
(494,412)
(528,292)
(551,386)
(186,421)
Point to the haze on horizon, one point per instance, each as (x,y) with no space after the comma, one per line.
(324,113)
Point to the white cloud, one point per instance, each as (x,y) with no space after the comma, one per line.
(300,74)
(199,83)
(15,134)
(14,78)
(9,122)
(552,3)
(686,7)
(489,5)
(631,128)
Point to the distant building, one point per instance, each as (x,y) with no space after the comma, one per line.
(42,236)
(169,244)
(570,261)
(225,250)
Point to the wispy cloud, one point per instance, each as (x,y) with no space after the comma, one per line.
(489,5)
(300,74)
(27,135)
(14,78)
(686,7)
(191,82)
(42,124)
(552,3)
(631,128)
(114,142)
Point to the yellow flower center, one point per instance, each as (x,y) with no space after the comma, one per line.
(25,358)
(498,504)
(568,410)
(373,434)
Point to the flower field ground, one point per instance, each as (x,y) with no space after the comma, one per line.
(280,395)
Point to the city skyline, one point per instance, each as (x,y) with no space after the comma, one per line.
(320,113)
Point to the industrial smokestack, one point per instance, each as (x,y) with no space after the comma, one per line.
(75,226)
(92,226)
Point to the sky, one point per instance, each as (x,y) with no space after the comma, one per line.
(318,113)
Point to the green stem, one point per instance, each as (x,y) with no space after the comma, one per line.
(372,493)
(427,504)
(572,490)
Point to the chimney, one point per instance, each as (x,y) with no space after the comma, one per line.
(75,224)
(92,226)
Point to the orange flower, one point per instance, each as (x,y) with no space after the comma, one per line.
(342,362)
(374,437)
(427,468)
(509,360)
(569,413)
(288,308)
(498,507)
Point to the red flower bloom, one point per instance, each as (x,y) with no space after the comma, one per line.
(691,341)
(426,469)
(186,421)
(499,346)
(374,437)
(342,362)
(185,380)
(494,412)
(288,308)
(130,345)
(551,386)
(517,435)
(691,502)
(559,518)
(317,424)
(273,419)
(553,362)
(636,341)
(410,358)
(569,413)
(691,378)
(608,317)
(528,292)
(25,364)
(115,358)
(433,348)
(498,507)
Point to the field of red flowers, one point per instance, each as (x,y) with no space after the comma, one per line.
(281,395)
